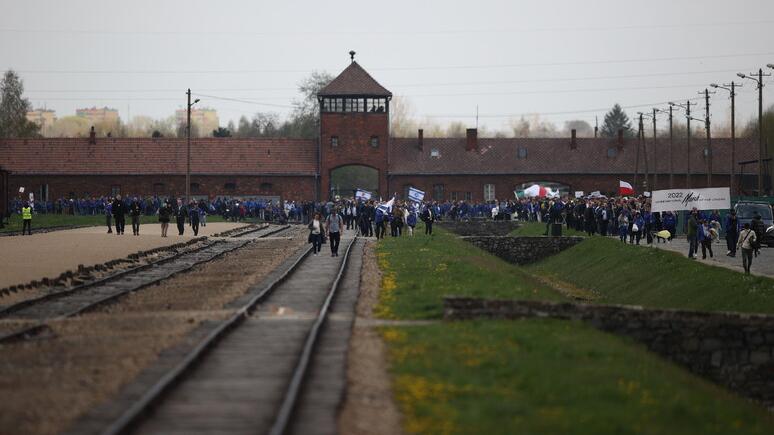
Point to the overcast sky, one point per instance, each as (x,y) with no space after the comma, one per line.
(564,59)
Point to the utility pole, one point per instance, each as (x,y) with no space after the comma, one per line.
(644,155)
(709,137)
(188,151)
(671,153)
(637,158)
(688,147)
(655,152)
(731,88)
(761,153)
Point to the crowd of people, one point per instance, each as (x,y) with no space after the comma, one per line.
(627,218)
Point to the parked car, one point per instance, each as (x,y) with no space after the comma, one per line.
(745,211)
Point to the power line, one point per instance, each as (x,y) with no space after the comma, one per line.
(372,32)
(417,68)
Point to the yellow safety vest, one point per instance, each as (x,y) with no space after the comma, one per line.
(26,213)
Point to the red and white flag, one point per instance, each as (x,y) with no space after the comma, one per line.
(625,189)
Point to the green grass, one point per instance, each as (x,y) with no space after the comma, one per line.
(420,270)
(623,274)
(539,229)
(551,377)
(57,220)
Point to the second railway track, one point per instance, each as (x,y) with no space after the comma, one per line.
(89,296)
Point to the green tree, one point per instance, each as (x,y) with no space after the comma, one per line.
(14,108)
(306,112)
(221,132)
(615,120)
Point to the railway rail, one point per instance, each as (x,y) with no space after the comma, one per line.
(233,341)
(88,296)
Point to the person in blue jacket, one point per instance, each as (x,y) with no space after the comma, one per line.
(638,227)
(670,224)
(411,221)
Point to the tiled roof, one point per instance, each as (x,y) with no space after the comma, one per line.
(159,156)
(554,156)
(354,81)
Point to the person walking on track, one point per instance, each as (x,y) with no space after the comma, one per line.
(315,233)
(747,241)
(333,225)
(27,218)
(193,218)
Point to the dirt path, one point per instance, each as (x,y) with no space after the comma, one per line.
(27,258)
(47,383)
(369,407)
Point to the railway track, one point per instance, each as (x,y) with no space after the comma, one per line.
(247,374)
(88,296)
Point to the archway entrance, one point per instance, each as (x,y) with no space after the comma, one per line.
(346,179)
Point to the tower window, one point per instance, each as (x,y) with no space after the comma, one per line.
(375,141)
(334,141)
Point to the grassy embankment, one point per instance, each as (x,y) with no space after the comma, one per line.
(59,220)
(529,376)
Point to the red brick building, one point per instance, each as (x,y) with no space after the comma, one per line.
(354,150)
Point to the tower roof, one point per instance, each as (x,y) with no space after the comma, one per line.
(354,81)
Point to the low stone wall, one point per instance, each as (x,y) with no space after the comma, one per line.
(479,227)
(734,350)
(522,249)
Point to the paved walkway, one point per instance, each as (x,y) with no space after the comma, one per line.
(762,265)
(25,258)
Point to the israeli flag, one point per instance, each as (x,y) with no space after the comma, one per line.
(362,195)
(415,195)
(386,207)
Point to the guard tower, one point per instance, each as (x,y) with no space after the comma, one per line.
(354,134)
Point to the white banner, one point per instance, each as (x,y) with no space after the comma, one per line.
(716,198)
(579,194)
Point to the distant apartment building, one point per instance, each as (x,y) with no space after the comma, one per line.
(99,116)
(44,118)
(205,119)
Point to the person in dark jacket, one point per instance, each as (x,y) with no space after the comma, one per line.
(180,215)
(731,225)
(428,217)
(759,227)
(193,218)
(134,213)
(165,212)
(693,234)
(119,211)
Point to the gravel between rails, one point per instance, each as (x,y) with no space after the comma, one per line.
(47,383)
(369,407)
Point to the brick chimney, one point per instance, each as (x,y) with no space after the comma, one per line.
(573,142)
(420,138)
(471,142)
(620,138)
(92,136)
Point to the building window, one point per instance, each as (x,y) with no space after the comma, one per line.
(230,186)
(194,187)
(334,141)
(375,141)
(158,188)
(266,187)
(435,153)
(489,192)
(115,190)
(612,152)
(522,152)
(468,196)
(438,192)
(455,196)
